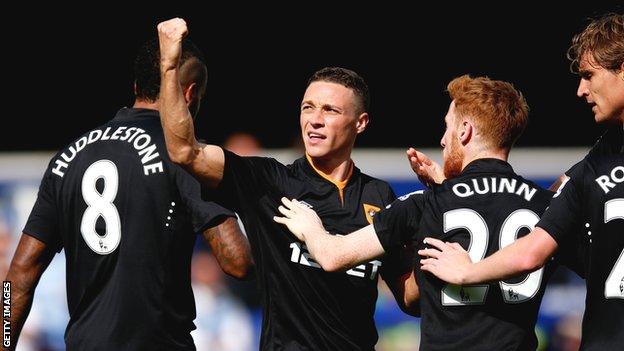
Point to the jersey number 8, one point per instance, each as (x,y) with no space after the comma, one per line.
(101,205)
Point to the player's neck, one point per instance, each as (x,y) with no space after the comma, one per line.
(152,105)
(500,154)
(332,169)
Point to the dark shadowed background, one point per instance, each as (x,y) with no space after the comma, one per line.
(69,73)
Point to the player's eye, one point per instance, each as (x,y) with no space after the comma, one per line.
(585,75)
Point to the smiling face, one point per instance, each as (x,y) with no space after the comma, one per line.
(330,120)
(603,89)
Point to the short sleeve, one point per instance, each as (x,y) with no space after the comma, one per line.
(43,221)
(397,223)
(204,214)
(246,179)
(561,218)
(400,261)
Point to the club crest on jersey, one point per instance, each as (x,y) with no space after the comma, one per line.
(370,211)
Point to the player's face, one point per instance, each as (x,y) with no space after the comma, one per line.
(603,89)
(452,152)
(330,120)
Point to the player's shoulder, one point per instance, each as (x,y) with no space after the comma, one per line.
(415,196)
(607,150)
(267,167)
(410,201)
(373,182)
(610,142)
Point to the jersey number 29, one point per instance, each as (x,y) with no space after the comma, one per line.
(101,205)
(456,295)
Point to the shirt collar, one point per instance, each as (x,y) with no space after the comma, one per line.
(487,165)
(313,173)
(129,112)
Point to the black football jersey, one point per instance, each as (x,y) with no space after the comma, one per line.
(127,218)
(592,201)
(304,307)
(483,209)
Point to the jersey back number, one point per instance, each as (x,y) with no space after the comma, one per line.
(473,222)
(100,205)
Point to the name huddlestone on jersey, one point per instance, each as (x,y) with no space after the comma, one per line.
(137,137)
(301,255)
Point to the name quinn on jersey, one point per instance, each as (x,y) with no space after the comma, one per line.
(301,255)
(494,185)
(141,141)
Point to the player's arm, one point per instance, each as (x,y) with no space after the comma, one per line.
(427,170)
(231,248)
(332,252)
(205,162)
(558,182)
(451,263)
(406,292)
(31,259)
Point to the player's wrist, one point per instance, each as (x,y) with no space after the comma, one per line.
(466,275)
(463,275)
(314,233)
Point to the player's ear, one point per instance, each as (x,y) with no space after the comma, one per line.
(465,132)
(362,122)
(190,92)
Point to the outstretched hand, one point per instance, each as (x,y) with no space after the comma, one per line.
(428,171)
(447,261)
(299,219)
(170,36)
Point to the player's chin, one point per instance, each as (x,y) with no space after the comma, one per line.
(316,150)
(604,118)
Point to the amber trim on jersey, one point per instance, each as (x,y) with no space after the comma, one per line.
(340,184)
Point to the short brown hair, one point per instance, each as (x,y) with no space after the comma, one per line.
(603,39)
(496,107)
(347,78)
